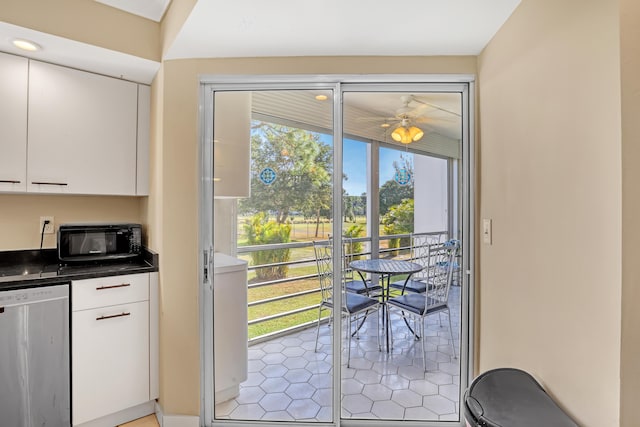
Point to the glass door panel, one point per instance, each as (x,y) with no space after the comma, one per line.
(273,197)
(402,149)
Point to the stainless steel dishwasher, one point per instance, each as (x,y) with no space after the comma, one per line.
(34,357)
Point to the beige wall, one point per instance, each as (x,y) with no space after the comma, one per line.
(20,215)
(89,22)
(173,20)
(630,84)
(180,351)
(550,173)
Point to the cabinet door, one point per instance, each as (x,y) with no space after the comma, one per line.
(82,132)
(110,360)
(13,122)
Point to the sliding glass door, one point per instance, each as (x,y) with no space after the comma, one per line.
(299,181)
(405,189)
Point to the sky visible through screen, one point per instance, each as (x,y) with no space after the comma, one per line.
(354,161)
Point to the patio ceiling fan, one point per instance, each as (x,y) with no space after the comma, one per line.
(411,122)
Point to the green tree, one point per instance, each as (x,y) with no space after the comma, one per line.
(352,249)
(392,193)
(347,207)
(303,167)
(360,204)
(399,220)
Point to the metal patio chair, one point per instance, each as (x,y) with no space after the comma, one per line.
(418,306)
(354,306)
(421,253)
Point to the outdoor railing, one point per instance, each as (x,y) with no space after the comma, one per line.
(287,290)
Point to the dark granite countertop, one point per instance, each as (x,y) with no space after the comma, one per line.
(28,268)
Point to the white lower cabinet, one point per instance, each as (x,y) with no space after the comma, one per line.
(112,345)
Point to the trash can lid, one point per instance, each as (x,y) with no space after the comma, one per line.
(508,397)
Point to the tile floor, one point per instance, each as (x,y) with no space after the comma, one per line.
(289,381)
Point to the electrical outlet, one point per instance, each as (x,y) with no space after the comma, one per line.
(48,229)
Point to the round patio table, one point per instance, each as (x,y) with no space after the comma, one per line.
(385,268)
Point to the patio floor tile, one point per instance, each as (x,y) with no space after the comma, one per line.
(289,381)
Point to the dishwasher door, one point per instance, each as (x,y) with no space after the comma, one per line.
(34,357)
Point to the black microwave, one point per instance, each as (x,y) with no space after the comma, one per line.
(99,242)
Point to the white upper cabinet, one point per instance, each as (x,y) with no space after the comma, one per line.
(144,123)
(82,132)
(13,122)
(232,144)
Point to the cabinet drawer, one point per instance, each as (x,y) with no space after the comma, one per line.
(108,291)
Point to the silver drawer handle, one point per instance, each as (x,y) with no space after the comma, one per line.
(122,285)
(48,183)
(124,313)
(9,181)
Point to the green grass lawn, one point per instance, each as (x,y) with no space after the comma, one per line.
(285,322)
(280,289)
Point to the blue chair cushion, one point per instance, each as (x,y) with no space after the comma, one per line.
(416,303)
(357,302)
(415,286)
(359,287)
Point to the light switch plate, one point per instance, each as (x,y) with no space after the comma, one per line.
(486,231)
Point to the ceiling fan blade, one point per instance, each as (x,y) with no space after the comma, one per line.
(425,119)
(378,119)
(437,107)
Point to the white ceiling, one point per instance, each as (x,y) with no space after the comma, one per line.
(150,9)
(258,28)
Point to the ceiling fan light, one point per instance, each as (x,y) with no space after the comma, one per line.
(407,135)
(415,133)
(400,134)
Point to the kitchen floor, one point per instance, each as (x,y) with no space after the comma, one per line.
(289,381)
(148,421)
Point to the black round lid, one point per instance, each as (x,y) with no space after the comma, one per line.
(510,397)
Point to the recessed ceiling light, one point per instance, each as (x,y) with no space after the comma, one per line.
(26,45)
(385,125)
(322,97)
